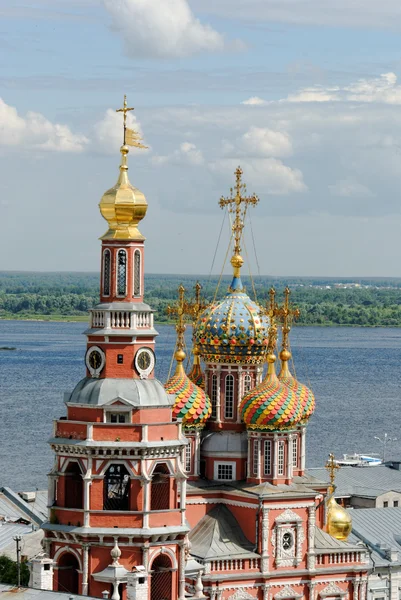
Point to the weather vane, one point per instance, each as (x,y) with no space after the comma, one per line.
(131,137)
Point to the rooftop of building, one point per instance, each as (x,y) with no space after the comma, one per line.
(367,482)
(380,529)
(9,591)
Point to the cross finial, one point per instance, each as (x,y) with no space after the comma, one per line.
(332,467)
(272,313)
(238,205)
(287,315)
(124,110)
(179,311)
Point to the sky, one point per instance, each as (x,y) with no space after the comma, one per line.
(304,95)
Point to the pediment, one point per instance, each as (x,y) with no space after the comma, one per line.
(332,590)
(287,592)
(288,516)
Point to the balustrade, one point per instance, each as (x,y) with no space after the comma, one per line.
(117,319)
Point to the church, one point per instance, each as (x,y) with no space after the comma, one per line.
(195,488)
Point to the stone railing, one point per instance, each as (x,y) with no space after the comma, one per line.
(340,558)
(121,319)
(235,564)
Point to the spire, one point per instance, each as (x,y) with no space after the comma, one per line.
(124,206)
(287,315)
(179,311)
(237,206)
(196,375)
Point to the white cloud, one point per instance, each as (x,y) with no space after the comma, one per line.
(266,142)
(255,101)
(108,133)
(350,188)
(269,175)
(151,28)
(383,89)
(35,131)
(186,154)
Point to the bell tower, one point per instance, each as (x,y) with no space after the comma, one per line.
(117,491)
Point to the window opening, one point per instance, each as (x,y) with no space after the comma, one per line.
(294,452)
(229,397)
(247,383)
(106,273)
(121,273)
(73,486)
(214,396)
(137,273)
(120,359)
(281,458)
(256,450)
(188,458)
(225,472)
(287,541)
(160,488)
(116,488)
(118,418)
(267,457)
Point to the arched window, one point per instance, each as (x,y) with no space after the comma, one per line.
(116,488)
(160,488)
(229,397)
(267,457)
(68,568)
(213,396)
(73,486)
(161,579)
(247,383)
(137,273)
(106,272)
(121,273)
(295,452)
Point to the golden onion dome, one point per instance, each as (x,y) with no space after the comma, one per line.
(305,395)
(339,522)
(192,404)
(123,206)
(271,405)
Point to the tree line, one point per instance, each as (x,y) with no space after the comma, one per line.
(376,303)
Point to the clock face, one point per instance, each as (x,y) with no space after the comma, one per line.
(144,362)
(95,360)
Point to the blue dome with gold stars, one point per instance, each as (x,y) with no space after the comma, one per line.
(234,330)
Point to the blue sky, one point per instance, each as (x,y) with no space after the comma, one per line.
(304,95)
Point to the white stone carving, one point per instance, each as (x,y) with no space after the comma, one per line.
(241,594)
(287,592)
(332,590)
(288,516)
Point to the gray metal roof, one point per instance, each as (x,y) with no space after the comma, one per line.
(31,545)
(218,535)
(7,591)
(13,506)
(325,543)
(225,442)
(9,530)
(380,529)
(362,481)
(136,392)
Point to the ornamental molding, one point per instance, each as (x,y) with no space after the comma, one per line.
(241,594)
(288,516)
(288,592)
(332,590)
(220,501)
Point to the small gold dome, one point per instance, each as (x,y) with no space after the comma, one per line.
(180,356)
(123,206)
(285,355)
(339,522)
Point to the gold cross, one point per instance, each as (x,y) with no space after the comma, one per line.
(332,467)
(124,110)
(184,309)
(238,205)
(271,312)
(287,314)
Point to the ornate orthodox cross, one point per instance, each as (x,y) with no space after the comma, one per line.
(287,314)
(332,467)
(124,110)
(131,137)
(184,309)
(271,312)
(238,204)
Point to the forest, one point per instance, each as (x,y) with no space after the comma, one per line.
(322,301)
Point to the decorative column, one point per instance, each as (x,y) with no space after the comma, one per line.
(311,586)
(146,498)
(289,456)
(364,585)
(300,541)
(87,478)
(183,499)
(145,555)
(265,540)
(311,537)
(266,589)
(239,393)
(303,449)
(356,589)
(181,574)
(218,416)
(275,456)
(248,458)
(85,569)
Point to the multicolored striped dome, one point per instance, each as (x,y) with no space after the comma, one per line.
(271,405)
(305,395)
(234,330)
(192,405)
